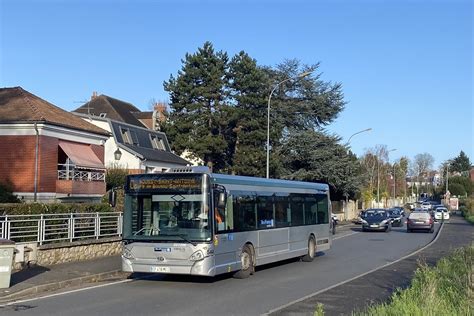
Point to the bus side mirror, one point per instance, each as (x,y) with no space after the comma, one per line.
(222,200)
(112,197)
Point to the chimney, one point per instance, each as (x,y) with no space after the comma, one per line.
(159,109)
(94,95)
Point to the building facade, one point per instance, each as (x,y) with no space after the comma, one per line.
(49,154)
(131,145)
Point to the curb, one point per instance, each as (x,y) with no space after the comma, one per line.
(62,284)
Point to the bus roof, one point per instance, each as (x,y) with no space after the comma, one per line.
(249,181)
(243,180)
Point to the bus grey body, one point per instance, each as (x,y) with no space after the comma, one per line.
(191,221)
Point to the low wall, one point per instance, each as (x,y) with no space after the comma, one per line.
(51,254)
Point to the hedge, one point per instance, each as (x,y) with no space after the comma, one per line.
(55,208)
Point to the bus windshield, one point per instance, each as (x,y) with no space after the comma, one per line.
(168,214)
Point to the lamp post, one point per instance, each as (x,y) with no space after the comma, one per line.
(348,168)
(447,177)
(300,76)
(365,130)
(378,176)
(394,182)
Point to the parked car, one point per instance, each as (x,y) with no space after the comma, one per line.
(396,217)
(376,219)
(441,213)
(401,209)
(420,221)
(358,220)
(410,206)
(426,206)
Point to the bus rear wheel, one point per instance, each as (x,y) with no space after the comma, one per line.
(247,263)
(311,250)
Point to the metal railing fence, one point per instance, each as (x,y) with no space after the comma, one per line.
(78,175)
(68,227)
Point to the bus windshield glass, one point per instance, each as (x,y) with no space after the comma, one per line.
(167,208)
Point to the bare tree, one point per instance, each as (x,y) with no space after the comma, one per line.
(422,164)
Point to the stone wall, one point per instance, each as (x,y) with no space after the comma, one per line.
(50,254)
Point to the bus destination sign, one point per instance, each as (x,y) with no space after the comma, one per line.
(165,183)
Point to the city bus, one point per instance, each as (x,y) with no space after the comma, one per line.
(191,221)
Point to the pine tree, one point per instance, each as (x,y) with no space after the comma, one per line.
(461,163)
(198,106)
(249,89)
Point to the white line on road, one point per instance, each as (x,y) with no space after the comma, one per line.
(356,277)
(353,233)
(64,293)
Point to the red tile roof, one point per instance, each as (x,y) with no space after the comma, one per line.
(18,105)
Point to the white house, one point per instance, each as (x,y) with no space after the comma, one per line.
(132,145)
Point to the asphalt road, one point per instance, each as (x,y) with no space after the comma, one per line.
(378,286)
(353,253)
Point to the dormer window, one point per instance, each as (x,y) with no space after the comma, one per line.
(134,138)
(102,115)
(127,139)
(157,143)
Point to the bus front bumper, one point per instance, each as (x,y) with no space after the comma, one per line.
(204,267)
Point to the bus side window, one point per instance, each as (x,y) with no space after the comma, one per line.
(244,204)
(323,216)
(224,217)
(297,210)
(311,208)
(265,212)
(282,214)
(229,213)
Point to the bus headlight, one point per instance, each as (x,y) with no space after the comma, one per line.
(127,254)
(196,256)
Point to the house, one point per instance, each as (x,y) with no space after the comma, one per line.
(131,145)
(49,154)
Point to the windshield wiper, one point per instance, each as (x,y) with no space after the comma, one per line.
(138,232)
(183,236)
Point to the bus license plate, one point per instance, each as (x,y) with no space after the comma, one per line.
(160,269)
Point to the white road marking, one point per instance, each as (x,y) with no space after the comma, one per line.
(64,293)
(356,277)
(347,235)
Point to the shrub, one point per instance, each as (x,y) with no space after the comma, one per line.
(457,189)
(6,195)
(115,176)
(465,182)
(40,208)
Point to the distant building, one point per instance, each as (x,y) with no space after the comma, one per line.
(139,148)
(48,154)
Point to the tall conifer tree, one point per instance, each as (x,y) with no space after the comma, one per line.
(198,103)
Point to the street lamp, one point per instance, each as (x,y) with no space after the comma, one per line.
(300,76)
(348,167)
(378,176)
(117,154)
(365,130)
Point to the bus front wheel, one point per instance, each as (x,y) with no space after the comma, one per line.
(247,263)
(311,250)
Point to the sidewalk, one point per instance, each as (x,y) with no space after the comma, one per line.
(38,279)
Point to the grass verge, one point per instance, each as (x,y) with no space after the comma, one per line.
(446,289)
